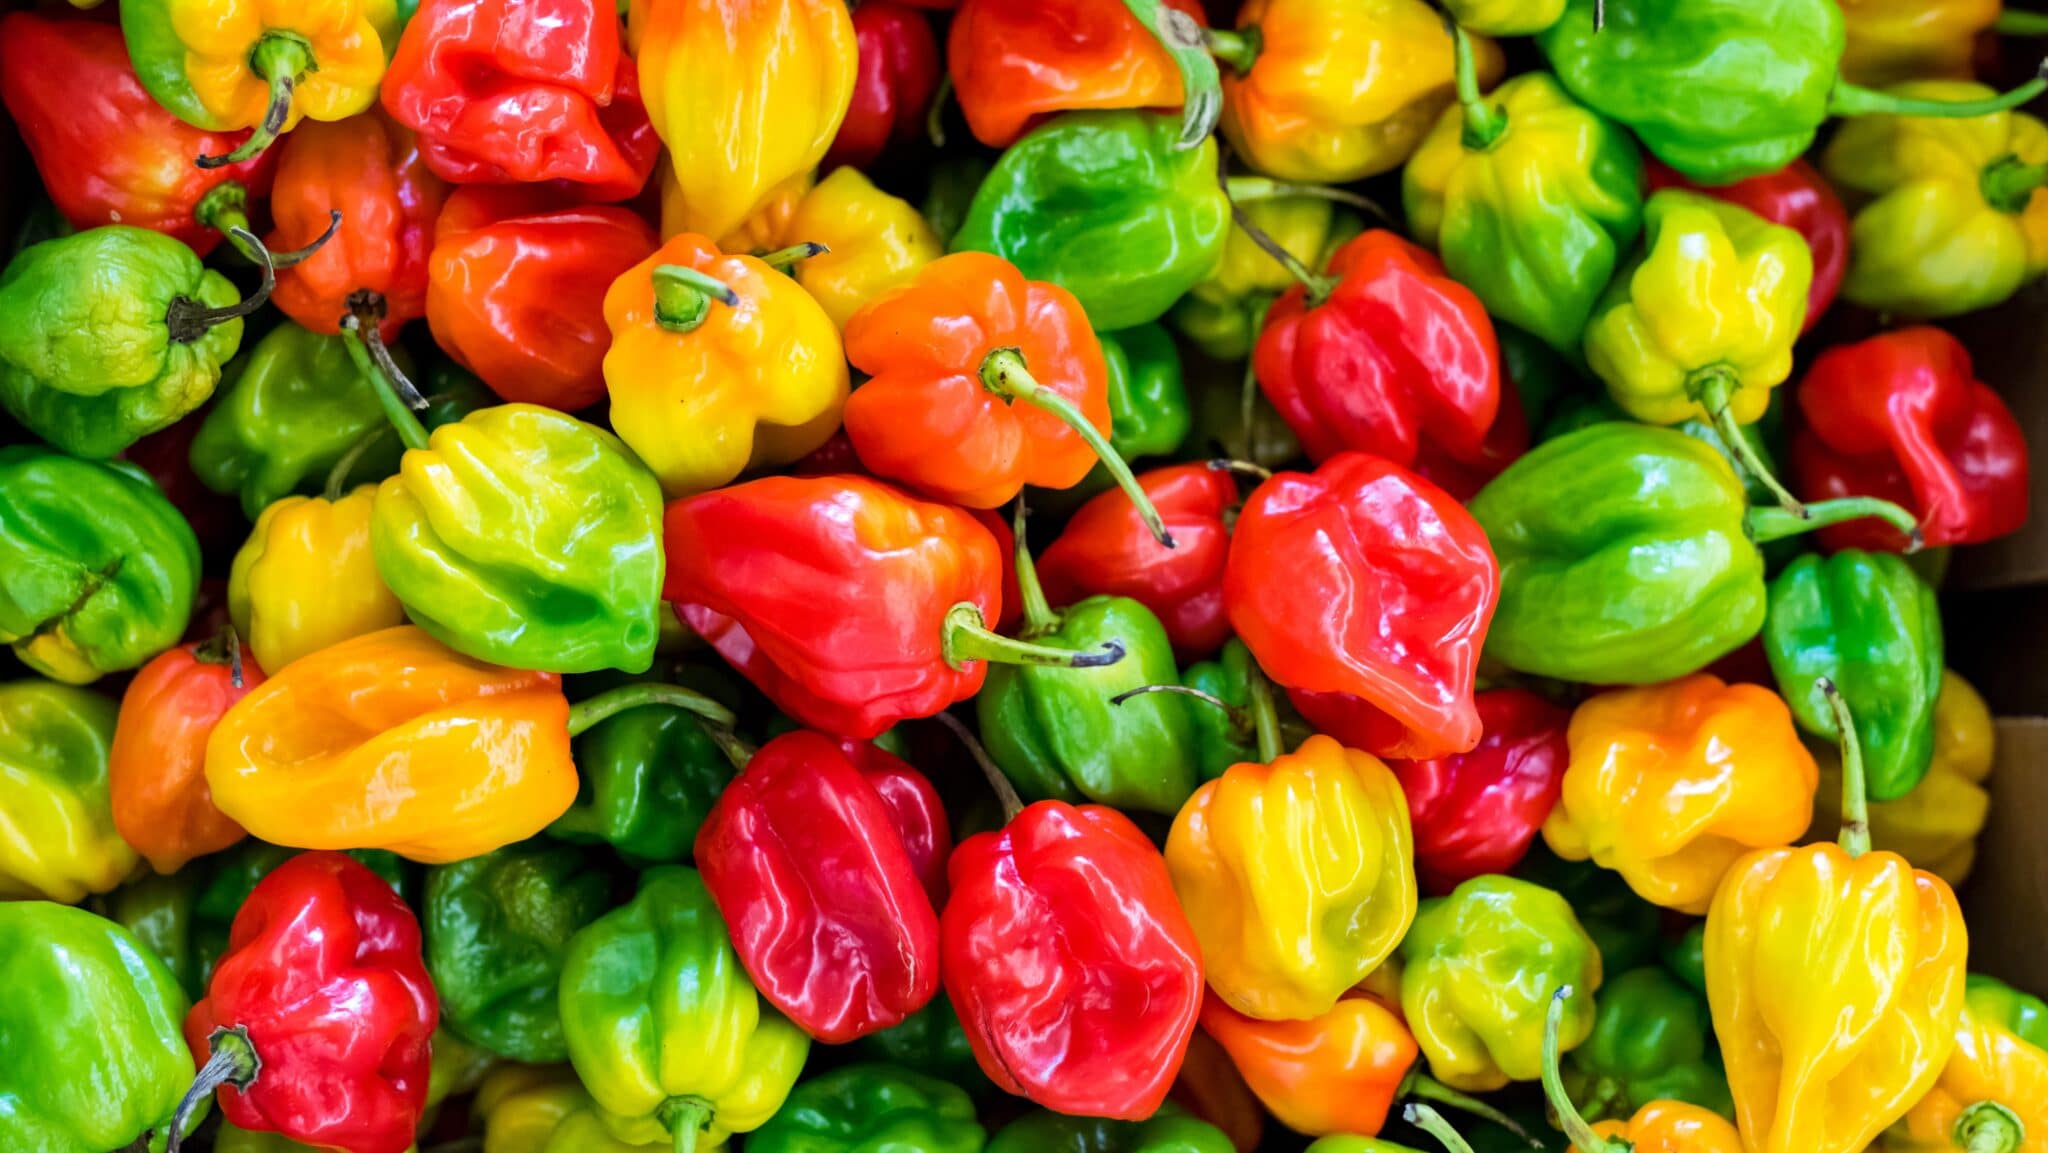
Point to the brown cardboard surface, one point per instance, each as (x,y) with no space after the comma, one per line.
(2006,894)
(2011,357)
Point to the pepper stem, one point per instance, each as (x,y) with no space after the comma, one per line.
(1583,1139)
(935,116)
(1239,49)
(1988,1127)
(683,296)
(782,258)
(2013,22)
(610,703)
(1432,1122)
(188,320)
(685,1118)
(1004,373)
(1484,123)
(1710,388)
(1004,790)
(1317,287)
(1265,716)
(1240,719)
(1855,100)
(737,750)
(411,432)
(232,1060)
(1258,473)
(1039,619)
(1201,84)
(280,58)
(1769,524)
(2008,183)
(1855,836)
(337,477)
(1430,1089)
(226,206)
(1252,189)
(965,637)
(223,648)
(368,308)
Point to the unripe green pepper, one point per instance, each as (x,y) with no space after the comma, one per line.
(1170,1131)
(647,778)
(1650,1041)
(872,1109)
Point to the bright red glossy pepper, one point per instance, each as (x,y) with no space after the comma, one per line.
(319,1014)
(824,901)
(1365,580)
(156,769)
(108,153)
(515,290)
(1387,355)
(914,808)
(524,92)
(1798,197)
(1903,417)
(897,75)
(1013,64)
(1106,550)
(1476,812)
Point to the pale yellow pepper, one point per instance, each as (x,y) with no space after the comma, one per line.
(521,1105)
(305,579)
(874,242)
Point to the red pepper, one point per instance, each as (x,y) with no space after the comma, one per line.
(1106,550)
(1392,356)
(1506,441)
(319,1014)
(1015,63)
(1903,417)
(156,767)
(826,907)
(1476,812)
(524,92)
(892,86)
(515,290)
(914,808)
(108,153)
(1365,580)
(1070,962)
(1798,197)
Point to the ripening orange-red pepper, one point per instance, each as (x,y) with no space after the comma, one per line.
(156,770)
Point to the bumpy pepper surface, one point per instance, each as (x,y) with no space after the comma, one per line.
(1993,1093)
(1476,812)
(58,839)
(156,766)
(1014,65)
(873,241)
(1798,197)
(306,578)
(871,1108)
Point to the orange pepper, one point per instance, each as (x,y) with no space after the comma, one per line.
(156,769)
(1669,1127)
(1992,1096)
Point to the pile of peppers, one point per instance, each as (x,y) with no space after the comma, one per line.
(982,576)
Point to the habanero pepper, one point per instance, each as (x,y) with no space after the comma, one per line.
(1476,812)
(306,578)
(895,77)
(863,1107)
(1993,1093)
(646,779)
(1168,1131)
(58,838)
(1893,40)
(1148,404)
(871,241)
(1666,1125)
(1651,1041)
(156,767)
(1505,17)
(1797,197)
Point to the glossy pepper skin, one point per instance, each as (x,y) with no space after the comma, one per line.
(874,241)
(896,75)
(1094,182)
(1106,550)
(1221,314)
(94,1059)
(646,779)
(323,755)
(58,840)
(664,1028)
(872,1107)
(1298,877)
(1148,398)
(1014,65)
(1336,1073)
(306,578)
(746,94)
(1670,784)
(1890,40)
(2001,1057)
(1410,584)
(156,766)
(1476,812)
(1477,1013)
(98,571)
(329,1007)
(1170,1131)
(1797,197)
(1672,1127)
(1650,1042)
(1070,961)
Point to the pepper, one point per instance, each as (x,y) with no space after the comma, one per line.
(97,570)
(1148,400)
(1670,1125)
(512,92)
(1628,555)
(1240,703)
(663,1026)
(1670,784)
(1090,182)
(1623,925)
(1211,1088)
(1889,41)
(1477,812)
(1865,624)
(860,1108)
(1993,1093)
(159,909)
(156,765)
(718,73)
(1797,197)
(1650,1042)
(306,579)
(58,840)
(516,285)
(1532,198)
(1417,575)
(872,241)
(896,75)
(318,1018)
(1505,17)
(94,1059)
(1170,1131)
(520,1106)
(1478,964)
(646,779)
(718,363)
(1222,313)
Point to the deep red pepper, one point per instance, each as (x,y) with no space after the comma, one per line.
(1798,197)
(108,153)
(914,808)
(1363,579)
(320,1012)
(1476,812)
(1903,417)
(892,86)
(1505,441)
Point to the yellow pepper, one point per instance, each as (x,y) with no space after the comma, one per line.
(718,363)
(57,836)
(1894,40)
(1298,877)
(745,93)
(1222,312)
(305,578)
(1505,17)
(1670,784)
(1993,1093)
(584,1132)
(761,232)
(873,241)
(520,1106)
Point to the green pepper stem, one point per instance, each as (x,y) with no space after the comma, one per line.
(1855,100)
(2008,183)
(1252,189)
(965,637)
(1248,388)
(1769,524)
(1239,49)
(683,296)
(1265,716)
(935,116)
(738,751)
(1240,718)
(338,476)
(1317,287)
(231,1060)
(411,432)
(610,703)
(1258,473)
(188,319)
(2013,22)
(223,648)
(1710,389)
(279,58)
(1004,373)
(1432,1122)
(1427,1088)
(782,258)
(1484,123)
(226,206)
(1988,1127)
(1005,792)
(1855,837)
(685,1119)
(1581,1134)
(1201,84)
(1039,619)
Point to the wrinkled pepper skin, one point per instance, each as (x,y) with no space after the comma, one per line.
(330,752)
(497,927)
(1337,1073)
(58,840)
(1477,1011)
(657,1008)
(1170,1131)
(1670,784)
(876,241)
(156,766)
(1094,182)
(1298,877)
(1070,961)
(1999,1058)
(896,76)
(1650,1042)
(1408,584)
(869,1109)
(1894,40)
(95,1059)
(1868,623)
(1013,65)
(306,579)
(1797,197)
(97,571)
(646,779)
(1476,812)
(1903,416)
(518,1107)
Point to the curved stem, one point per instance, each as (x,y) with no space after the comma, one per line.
(1988,1127)
(1239,49)
(965,637)
(2013,22)
(1265,716)
(1854,100)
(232,1060)
(1257,472)
(782,258)
(1484,123)
(683,296)
(1569,1119)
(1317,287)
(367,307)
(1039,619)
(1432,1122)
(337,477)
(737,749)
(1252,189)
(935,116)
(1426,1088)
(1201,85)
(685,1119)
(280,58)
(1005,792)
(2008,183)
(1855,836)
(188,320)
(610,703)
(1710,389)
(304,253)
(1240,719)
(1004,373)
(1248,388)
(1769,524)
(411,432)
(223,648)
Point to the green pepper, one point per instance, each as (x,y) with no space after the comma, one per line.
(1651,1040)
(663,1025)
(159,911)
(1223,739)
(1171,1131)
(1148,403)
(1622,924)
(110,334)
(1686,957)
(1867,622)
(97,569)
(57,836)
(1105,205)
(1343,1143)
(872,1109)
(647,778)
(496,927)
(94,1054)
(928,1041)
(955,179)
(2022,1014)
